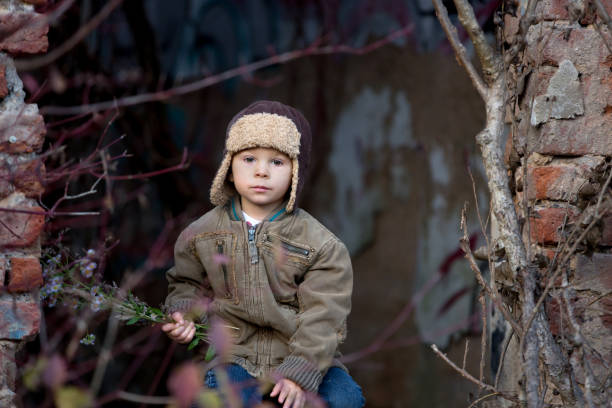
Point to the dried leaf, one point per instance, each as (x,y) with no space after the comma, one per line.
(72,397)
(209,399)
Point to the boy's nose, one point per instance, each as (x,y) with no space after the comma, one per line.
(261,171)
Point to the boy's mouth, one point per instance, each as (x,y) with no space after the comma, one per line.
(260,188)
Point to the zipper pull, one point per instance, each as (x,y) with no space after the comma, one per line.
(252,247)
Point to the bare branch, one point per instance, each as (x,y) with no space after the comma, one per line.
(460,52)
(469,377)
(34,63)
(483,337)
(465,352)
(223,76)
(603,14)
(150,400)
(502,358)
(491,62)
(464,244)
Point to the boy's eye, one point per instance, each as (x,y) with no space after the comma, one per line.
(249,159)
(277,162)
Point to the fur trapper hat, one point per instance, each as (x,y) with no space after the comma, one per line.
(265,124)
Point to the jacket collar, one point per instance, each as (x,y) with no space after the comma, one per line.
(235,211)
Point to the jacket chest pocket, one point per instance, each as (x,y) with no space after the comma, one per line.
(216,251)
(286,263)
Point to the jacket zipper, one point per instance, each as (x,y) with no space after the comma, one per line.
(252,246)
(224,268)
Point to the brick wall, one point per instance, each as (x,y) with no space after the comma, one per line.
(22,31)
(564,138)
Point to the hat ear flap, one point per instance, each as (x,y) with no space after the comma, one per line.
(294,185)
(218,191)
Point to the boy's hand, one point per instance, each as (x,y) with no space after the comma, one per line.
(181,331)
(290,393)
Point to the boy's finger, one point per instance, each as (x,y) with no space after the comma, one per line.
(283,393)
(290,398)
(188,336)
(168,327)
(178,331)
(299,400)
(185,335)
(177,317)
(275,390)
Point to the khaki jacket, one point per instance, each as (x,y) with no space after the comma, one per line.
(285,285)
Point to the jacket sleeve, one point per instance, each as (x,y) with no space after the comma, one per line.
(186,281)
(325,302)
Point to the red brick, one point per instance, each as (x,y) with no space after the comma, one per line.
(583,46)
(19,317)
(562,179)
(556,310)
(3,269)
(36,2)
(27,177)
(23,33)
(3,85)
(22,130)
(542,180)
(25,274)
(25,227)
(551,10)
(547,222)
(511,27)
(606,232)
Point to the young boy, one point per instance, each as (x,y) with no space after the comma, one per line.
(268,269)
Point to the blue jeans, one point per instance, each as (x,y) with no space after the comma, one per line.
(338,389)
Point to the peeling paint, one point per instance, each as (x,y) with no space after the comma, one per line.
(366,136)
(563,98)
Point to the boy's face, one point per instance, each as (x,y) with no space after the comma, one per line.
(261,176)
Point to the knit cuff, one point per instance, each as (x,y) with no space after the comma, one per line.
(302,372)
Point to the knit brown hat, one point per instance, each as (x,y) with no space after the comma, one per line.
(265,124)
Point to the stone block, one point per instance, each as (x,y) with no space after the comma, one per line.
(547,222)
(20,229)
(23,32)
(606,231)
(25,274)
(8,368)
(19,317)
(3,84)
(593,273)
(588,134)
(22,129)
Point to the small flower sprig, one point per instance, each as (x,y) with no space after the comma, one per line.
(73,282)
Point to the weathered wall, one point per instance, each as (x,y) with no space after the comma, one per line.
(564,138)
(21,181)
